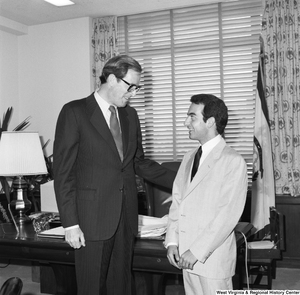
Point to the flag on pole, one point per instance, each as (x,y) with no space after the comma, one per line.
(263,187)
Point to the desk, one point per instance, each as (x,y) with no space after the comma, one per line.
(149,255)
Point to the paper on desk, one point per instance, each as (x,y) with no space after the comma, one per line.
(56,232)
(152,227)
(149,227)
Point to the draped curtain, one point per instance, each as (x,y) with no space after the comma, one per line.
(104,43)
(280,34)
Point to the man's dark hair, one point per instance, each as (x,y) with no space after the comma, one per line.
(213,107)
(119,66)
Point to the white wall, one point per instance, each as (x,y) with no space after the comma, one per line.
(53,68)
(9,76)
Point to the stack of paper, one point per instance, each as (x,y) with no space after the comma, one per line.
(57,233)
(152,227)
(149,227)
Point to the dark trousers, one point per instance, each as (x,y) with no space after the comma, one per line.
(104,267)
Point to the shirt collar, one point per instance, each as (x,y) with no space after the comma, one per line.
(103,104)
(209,145)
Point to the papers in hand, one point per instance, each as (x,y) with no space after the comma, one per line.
(152,227)
(57,232)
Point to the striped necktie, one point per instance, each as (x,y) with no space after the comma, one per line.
(196,162)
(116,130)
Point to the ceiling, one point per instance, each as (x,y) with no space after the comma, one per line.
(35,12)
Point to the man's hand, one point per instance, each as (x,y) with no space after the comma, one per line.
(173,255)
(75,238)
(187,260)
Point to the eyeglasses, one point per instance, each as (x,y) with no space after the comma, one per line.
(132,87)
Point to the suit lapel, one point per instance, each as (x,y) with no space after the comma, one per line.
(187,173)
(98,121)
(205,167)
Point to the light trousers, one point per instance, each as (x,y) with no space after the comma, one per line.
(198,285)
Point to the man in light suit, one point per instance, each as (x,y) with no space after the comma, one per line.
(205,208)
(97,153)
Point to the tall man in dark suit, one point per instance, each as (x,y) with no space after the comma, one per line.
(97,152)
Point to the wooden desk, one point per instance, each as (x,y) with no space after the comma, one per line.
(149,255)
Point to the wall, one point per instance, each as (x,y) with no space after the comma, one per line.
(53,68)
(9,76)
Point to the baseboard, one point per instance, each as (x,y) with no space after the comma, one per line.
(288,263)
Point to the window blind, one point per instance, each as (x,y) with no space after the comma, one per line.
(210,48)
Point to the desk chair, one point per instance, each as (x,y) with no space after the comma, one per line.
(12,286)
(262,255)
(159,200)
(158,197)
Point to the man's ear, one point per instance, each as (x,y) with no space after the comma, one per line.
(111,80)
(210,122)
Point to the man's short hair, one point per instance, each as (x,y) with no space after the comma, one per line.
(213,107)
(119,66)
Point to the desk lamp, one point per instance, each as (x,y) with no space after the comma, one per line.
(21,154)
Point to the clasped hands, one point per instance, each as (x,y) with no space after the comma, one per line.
(185,261)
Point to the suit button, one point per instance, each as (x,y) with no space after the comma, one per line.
(121,190)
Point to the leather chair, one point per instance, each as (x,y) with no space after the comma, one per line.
(263,254)
(158,197)
(12,286)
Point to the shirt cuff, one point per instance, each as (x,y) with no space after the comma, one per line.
(71,227)
(171,244)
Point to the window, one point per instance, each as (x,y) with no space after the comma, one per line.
(203,49)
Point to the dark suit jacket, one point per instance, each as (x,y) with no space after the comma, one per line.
(89,177)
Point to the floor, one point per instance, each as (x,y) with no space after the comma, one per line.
(287,278)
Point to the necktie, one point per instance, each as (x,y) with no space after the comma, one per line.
(116,131)
(196,162)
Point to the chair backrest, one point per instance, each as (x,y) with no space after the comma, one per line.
(12,286)
(277,231)
(159,198)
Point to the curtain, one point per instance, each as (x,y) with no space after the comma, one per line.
(280,33)
(104,43)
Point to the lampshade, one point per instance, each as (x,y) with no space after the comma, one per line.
(21,154)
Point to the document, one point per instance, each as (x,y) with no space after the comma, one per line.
(152,227)
(57,233)
(149,227)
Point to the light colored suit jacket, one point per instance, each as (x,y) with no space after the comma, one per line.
(205,211)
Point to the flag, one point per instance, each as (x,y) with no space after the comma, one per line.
(263,187)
